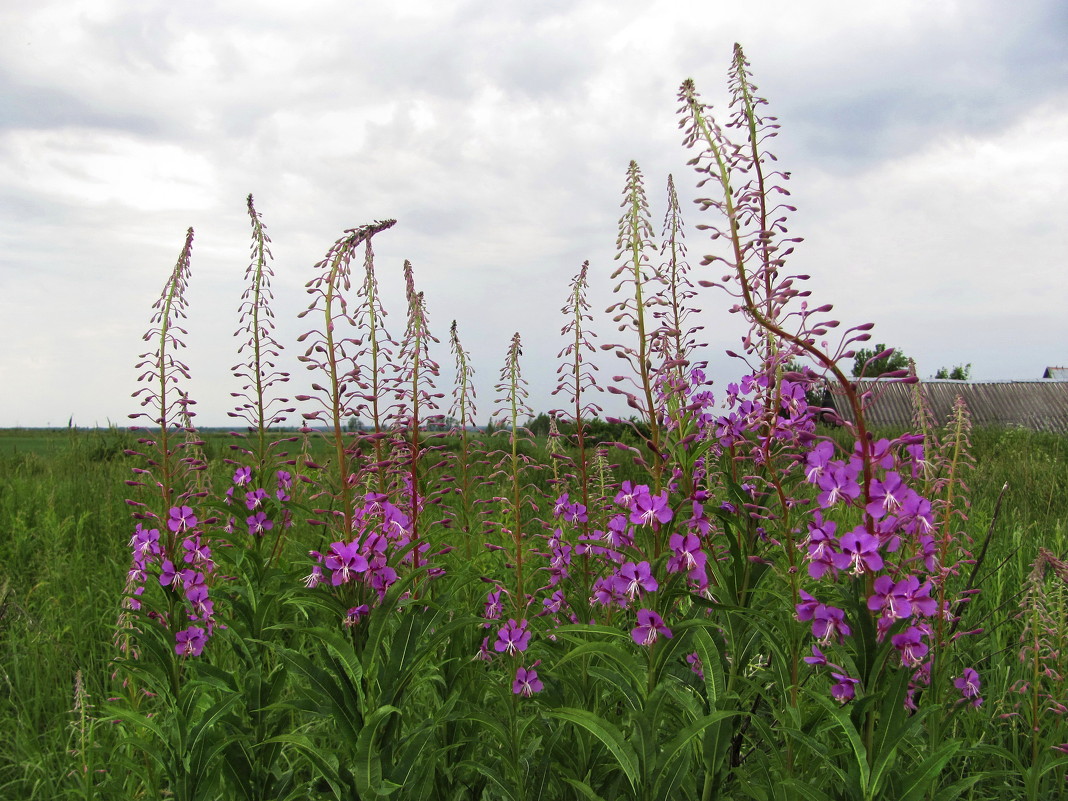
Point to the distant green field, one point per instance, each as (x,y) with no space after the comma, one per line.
(65,524)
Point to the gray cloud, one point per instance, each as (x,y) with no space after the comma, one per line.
(499,135)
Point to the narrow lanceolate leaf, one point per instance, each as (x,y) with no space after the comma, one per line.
(682,741)
(608,734)
(367,772)
(917,784)
(583,788)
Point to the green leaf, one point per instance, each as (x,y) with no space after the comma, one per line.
(325,763)
(798,789)
(610,651)
(917,784)
(679,743)
(609,735)
(337,690)
(367,769)
(954,790)
(584,788)
(711,666)
(844,722)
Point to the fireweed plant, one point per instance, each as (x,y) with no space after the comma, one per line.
(749,606)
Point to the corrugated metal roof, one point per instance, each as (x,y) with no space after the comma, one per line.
(1040,404)
(1058,373)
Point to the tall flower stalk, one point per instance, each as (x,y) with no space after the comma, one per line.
(639,283)
(331,354)
(512,467)
(168,545)
(376,353)
(256,407)
(463,412)
(576,373)
(417,397)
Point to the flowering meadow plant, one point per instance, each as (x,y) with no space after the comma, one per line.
(749,604)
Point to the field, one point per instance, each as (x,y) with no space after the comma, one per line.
(718,598)
(64,557)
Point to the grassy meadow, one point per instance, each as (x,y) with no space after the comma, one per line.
(64,555)
(719,599)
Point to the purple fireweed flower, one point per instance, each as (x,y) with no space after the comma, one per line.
(396,525)
(167,573)
(920,465)
(242,476)
(694,661)
(560,558)
(917,514)
(822,545)
(887,495)
(632,579)
(315,578)
(699,524)
(575,513)
(259,524)
(512,638)
(792,397)
(687,556)
(816,460)
(132,602)
(910,646)
(648,509)
(929,552)
(492,609)
(196,552)
(190,578)
(860,552)
(145,542)
(285,483)
(345,560)
(526,681)
(554,603)
(560,505)
(619,533)
(190,641)
(355,615)
(903,599)
(196,593)
(627,493)
(828,623)
(893,600)
(807,608)
(382,578)
(968,683)
(607,591)
(881,455)
(845,688)
(255,498)
(817,658)
(181,519)
(838,482)
(922,601)
(650,627)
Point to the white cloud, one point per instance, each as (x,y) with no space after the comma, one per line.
(94,168)
(925,139)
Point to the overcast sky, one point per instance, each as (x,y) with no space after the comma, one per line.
(927,141)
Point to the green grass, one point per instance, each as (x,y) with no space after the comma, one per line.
(64,526)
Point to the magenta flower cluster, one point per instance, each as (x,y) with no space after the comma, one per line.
(188,579)
(380,530)
(259,502)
